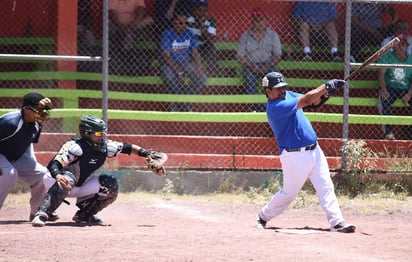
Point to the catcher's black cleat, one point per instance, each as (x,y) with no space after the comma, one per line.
(260,223)
(81,217)
(343,227)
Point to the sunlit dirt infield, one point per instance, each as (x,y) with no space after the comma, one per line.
(154,227)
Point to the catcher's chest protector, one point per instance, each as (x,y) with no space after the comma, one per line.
(89,162)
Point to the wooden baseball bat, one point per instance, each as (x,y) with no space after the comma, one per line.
(375,56)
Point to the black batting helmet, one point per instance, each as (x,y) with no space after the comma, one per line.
(274,80)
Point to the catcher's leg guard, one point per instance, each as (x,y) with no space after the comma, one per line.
(55,196)
(107,194)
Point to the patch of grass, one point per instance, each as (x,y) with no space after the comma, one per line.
(17,200)
(129,182)
(384,203)
(231,185)
(360,177)
(20,187)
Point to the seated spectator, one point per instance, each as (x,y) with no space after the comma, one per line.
(128,15)
(86,39)
(259,52)
(395,83)
(367,26)
(180,58)
(204,29)
(166,9)
(401,27)
(312,17)
(128,22)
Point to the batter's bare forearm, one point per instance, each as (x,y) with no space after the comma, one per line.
(312,97)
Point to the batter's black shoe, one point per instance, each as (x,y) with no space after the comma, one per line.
(81,217)
(343,227)
(260,223)
(52,217)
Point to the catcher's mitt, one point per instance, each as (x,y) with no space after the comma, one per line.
(156,160)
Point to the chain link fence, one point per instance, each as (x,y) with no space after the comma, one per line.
(161,99)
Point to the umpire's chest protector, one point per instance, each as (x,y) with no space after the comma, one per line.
(89,162)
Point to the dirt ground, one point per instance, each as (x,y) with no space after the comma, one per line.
(157,228)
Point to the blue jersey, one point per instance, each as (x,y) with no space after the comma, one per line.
(16,136)
(179,46)
(316,13)
(290,126)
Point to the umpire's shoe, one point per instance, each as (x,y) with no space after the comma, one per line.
(343,227)
(39,219)
(52,217)
(82,217)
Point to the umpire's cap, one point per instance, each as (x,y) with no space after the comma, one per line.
(274,80)
(33,99)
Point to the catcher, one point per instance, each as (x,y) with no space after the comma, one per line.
(74,172)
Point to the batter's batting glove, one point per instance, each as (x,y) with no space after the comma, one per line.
(332,86)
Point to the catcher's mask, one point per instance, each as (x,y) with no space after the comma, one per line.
(273,80)
(93,130)
(38,104)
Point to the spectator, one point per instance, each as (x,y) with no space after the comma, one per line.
(129,15)
(313,16)
(166,9)
(128,23)
(367,26)
(395,82)
(401,27)
(87,42)
(259,52)
(178,48)
(204,29)
(18,131)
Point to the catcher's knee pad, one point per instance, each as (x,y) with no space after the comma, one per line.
(107,194)
(109,188)
(56,195)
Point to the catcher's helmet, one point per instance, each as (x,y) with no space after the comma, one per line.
(274,80)
(91,124)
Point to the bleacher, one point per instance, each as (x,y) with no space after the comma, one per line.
(221,94)
(222,102)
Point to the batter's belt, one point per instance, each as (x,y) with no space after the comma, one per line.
(301,149)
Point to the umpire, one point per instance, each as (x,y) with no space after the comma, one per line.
(18,131)
(300,155)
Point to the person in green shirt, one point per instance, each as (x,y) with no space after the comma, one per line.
(395,83)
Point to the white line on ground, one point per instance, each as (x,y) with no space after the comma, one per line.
(186,211)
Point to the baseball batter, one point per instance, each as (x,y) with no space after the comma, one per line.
(74,172)
(18,131)
(300,154)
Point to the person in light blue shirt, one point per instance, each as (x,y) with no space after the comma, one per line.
(312,17)
(180,58)
(367,26)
